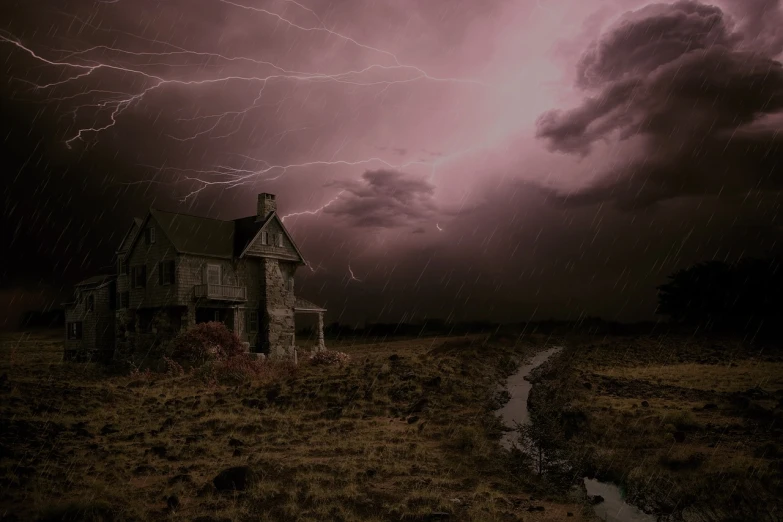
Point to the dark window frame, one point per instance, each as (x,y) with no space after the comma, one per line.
(166,273)
(149,235)
(89,303)
(252,320)
(139,276)
(74,329)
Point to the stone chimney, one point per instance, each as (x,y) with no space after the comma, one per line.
(266,204)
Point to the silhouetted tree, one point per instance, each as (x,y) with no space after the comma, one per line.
(746,296)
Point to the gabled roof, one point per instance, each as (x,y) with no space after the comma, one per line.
(210,237)
(272,216)
(137,222)
(197,235)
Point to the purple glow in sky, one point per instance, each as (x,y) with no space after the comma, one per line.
(504,160)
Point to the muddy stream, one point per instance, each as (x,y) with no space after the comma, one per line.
(613,508)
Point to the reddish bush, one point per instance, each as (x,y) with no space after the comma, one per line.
(329,357)
(205,342)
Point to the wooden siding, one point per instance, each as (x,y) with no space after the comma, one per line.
(153,295)
(97,325)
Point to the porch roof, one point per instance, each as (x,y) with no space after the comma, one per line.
(303,305)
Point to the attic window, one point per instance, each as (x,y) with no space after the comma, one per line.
(90,305)
(149,235)
(264,238)
(279,240)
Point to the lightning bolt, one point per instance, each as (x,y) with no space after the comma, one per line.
(438,227)
(353,277)
(116,106)
(108,105)
(314,211)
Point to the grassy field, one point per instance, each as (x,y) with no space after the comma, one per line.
(687,425)
(403,432)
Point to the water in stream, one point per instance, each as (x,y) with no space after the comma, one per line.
(613,508)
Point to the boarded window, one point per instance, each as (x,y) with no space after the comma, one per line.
(74,331)
(213,274)
(90,303)
(166,273)
(139,276)
(252,320)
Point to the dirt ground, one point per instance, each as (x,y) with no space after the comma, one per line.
(405,431)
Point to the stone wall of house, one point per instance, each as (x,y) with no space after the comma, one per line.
(278,312)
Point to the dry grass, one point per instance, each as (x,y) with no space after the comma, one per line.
(722,378)
(681,422)
(405,431)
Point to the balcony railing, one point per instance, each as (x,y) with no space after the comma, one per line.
(221,292)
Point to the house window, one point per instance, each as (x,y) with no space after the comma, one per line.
(252,320)
(213,274)
(122,266)
(290,284)
(74,331)
(166,273)
(264,238)
(279,240)
(124,299)
(139,276)
(217,316)
(149,235)
(90,303)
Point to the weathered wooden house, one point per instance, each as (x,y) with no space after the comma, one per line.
(89,318)
(180,270)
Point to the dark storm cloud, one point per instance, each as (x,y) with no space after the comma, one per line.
(385,199)
(760,23)
(674,78)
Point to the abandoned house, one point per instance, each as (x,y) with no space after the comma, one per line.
(175,270)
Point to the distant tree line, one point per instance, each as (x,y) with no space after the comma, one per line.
(743,297)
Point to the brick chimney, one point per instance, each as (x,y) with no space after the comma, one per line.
(266,204)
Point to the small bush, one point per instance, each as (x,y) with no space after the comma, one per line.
(205,343)
(329,357)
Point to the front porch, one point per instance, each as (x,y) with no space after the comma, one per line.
(303,306)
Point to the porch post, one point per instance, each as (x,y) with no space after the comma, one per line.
(321,346)
(188,316)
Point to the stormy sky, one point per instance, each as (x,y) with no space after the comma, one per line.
(500,160)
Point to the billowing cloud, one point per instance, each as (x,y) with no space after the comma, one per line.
(385,199)
(678,80)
